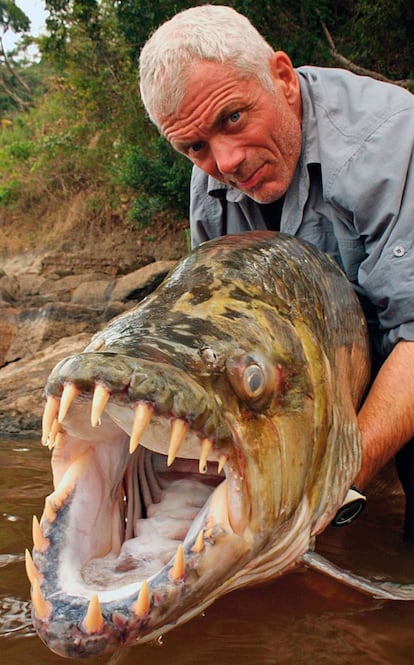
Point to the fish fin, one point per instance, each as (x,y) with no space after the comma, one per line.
(377,589)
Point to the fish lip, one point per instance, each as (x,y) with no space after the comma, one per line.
(61,595)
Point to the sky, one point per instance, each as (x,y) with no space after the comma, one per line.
(35,10)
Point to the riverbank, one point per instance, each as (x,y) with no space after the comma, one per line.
(54,297)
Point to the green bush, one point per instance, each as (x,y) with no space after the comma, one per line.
(160,176)
(9,193)
(21,150)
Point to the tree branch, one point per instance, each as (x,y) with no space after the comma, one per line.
(24,106)
(357,69)
(11,69)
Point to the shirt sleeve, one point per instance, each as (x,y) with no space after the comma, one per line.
(377,185)
(206,212)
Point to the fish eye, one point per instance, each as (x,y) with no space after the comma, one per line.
(254,380)
(250,375)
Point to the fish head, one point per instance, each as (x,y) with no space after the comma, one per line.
(198,446)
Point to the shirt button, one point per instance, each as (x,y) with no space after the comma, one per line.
(399,250)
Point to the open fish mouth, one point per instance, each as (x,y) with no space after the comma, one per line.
(200,442)
(144,490)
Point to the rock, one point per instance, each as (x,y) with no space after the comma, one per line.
(9,289)
(46,316)
(139,283)
(8,330)
(66,263)
(22,383)
(93,294)
(40,327)
(62,289)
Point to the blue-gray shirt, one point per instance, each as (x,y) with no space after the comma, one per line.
(352,194)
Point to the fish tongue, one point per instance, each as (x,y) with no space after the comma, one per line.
(86,529)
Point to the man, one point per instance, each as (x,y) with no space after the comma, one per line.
(318,153)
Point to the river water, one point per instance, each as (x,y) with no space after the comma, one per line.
(301,619)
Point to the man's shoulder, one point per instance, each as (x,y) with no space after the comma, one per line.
(345,96)
(342,112)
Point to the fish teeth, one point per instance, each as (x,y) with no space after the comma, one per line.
(199,543)
(179,431)
(93,621)
(177,572)
(31,571)
(221,463)
(142,418)
(70,391)
(49,512)
(101,395)
(142,605)
(206,448)
(53,434)
(49,415)
(41,543)
(42,608)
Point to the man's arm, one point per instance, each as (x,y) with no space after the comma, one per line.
(386,419)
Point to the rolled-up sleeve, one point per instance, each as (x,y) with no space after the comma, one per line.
(378,181)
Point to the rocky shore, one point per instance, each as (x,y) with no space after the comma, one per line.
(50,305)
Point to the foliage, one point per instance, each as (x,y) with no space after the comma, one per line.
(161,178)
(12,17)
(84,126)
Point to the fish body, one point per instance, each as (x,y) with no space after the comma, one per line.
(200,442)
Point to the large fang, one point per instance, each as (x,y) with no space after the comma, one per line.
(206,447)
(93,621)
(177,572)
(100,398)
(179,430)
(49,512)
(142,604)
(54,431)
(142,418)
(222,463)
(49,414)
(42,607)
(199,543)
(31,570)
(70,391)
(40,542)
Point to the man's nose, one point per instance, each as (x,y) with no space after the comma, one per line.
(227,155)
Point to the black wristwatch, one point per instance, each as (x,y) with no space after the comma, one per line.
(353,505)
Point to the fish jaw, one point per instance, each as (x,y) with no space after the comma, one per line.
(235,358)
(93,550)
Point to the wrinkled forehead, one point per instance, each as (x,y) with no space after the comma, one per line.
(207,89)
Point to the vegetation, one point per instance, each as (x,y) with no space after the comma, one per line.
(72,121)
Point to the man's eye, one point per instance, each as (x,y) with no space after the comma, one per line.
(234,117)
(196,147)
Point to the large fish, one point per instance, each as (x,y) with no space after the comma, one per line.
(201,442)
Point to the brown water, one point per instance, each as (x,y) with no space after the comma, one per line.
(301,619)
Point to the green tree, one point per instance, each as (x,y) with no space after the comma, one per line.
(15,90)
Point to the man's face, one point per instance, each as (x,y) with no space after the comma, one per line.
(238,131)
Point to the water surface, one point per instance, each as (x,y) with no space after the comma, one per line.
(301,619)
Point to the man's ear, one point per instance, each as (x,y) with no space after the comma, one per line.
(282,70)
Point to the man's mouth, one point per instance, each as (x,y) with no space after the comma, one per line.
(251,181)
